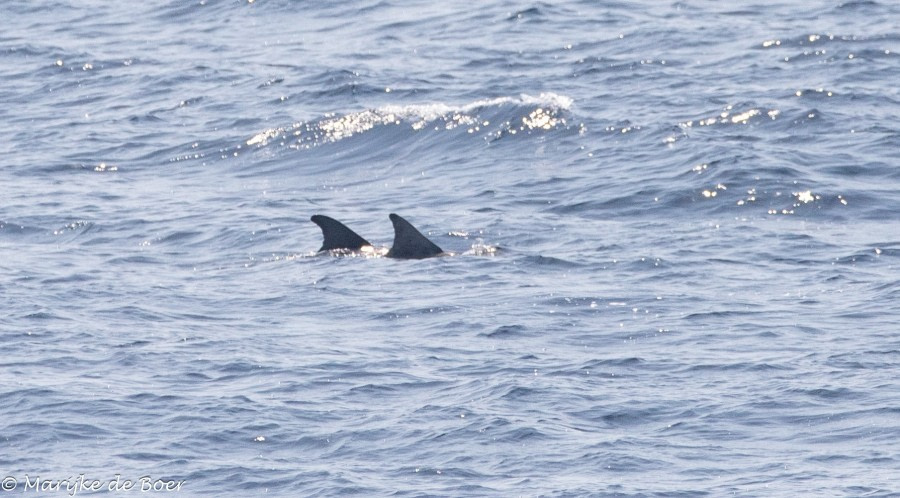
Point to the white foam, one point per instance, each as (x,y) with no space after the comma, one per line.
(419,116)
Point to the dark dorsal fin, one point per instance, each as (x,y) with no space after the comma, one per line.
(409,243)
(337,235)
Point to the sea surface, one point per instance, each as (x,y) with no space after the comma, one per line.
(674,227)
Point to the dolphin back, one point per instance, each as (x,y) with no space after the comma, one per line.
(337,235)
(409,243)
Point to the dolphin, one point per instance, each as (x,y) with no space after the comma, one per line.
(409,243)
(337,235)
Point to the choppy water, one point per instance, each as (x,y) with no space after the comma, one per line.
(694,205)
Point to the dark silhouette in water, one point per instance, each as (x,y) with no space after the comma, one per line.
(409,243)
(337,235)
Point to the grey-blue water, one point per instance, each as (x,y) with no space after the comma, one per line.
(675,227)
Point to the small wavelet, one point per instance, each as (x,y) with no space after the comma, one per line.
(549,261)
(487,118)
(505,332)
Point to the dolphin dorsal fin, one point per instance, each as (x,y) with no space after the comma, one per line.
(409,243)
(337,235)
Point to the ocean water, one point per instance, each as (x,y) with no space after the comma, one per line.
(675,228)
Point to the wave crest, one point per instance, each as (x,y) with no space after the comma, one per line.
(496,116)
